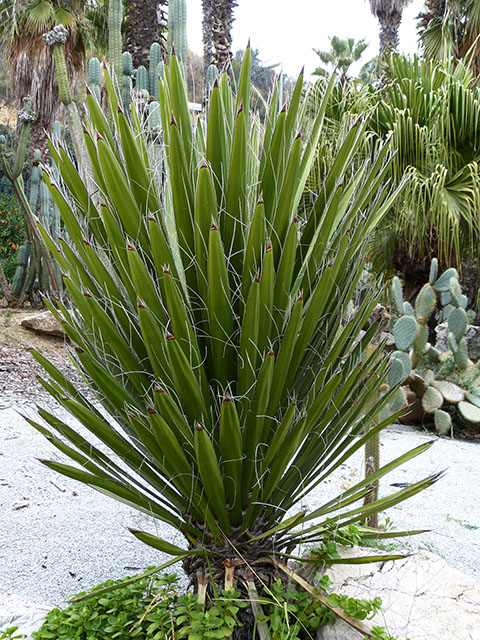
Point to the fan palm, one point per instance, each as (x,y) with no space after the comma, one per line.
(208,321)
(389,16)
(451,29)
(342,54)
(30,60)
(432,110)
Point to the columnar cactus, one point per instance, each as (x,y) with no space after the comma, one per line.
(211,75)
(154,62)
(177,32)
(94,77)
(141,79)
(127,75)
(56,38)
(115,15)
(12,168)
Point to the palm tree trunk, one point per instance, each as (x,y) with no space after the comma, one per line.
(389,26)
(217,32)
(146,24)
(39,137)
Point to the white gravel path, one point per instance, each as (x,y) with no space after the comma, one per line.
(58,537)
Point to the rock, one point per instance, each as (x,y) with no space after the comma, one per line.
(27,616)
(423,598)
(44,323)
(472,338)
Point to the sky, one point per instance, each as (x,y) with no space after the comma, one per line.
(285,31)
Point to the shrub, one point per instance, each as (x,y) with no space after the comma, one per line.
(12,234)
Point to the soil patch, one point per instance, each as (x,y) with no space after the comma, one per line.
(18,368)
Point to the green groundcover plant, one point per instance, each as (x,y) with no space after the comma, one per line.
(155,608)
(208,294)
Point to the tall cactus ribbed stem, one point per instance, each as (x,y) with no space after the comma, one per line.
(31,222)
(177,32)
(115,14)
(56,39)
(13,174)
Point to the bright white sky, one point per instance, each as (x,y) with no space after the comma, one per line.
(286,32)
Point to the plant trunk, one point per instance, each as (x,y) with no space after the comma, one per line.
(39,138)
(145,20)
(389,26)
(217,33)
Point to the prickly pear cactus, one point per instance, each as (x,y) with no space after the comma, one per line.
(443,422)
(405,332)
(440,298)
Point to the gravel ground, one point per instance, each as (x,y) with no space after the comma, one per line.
(59,537)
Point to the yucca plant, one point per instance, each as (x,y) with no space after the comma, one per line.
(208,321)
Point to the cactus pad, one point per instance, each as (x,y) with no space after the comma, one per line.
(405,331)
(455,292)
(443,282)
(433,271)
(457,322)
(397,374)
(461,355)
(452,342)
(422,337)
(425,303)
(445,298)
(432,400)
(405,358)
(473,397)
(398,401)
(433,355)
(417,384)
(471,316)
(452,393)
(469,412)
(408,310)
(447,311)
(443,422)
(397,291)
